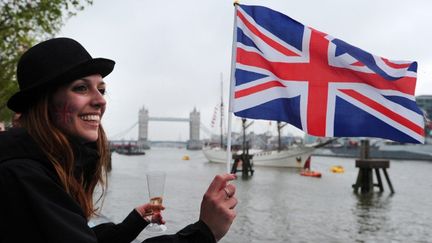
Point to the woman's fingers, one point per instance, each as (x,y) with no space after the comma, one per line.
(220,181)
(217,207)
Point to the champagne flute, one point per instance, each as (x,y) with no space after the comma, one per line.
(156,184)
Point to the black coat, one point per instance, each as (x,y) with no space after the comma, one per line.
(34,207)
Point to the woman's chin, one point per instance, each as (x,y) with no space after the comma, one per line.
(88,136)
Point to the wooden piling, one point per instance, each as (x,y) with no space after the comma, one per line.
(246,162)
(388,180)
(364,149)
(365,175)
(244,158)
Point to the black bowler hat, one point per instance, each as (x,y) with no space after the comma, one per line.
(52,63)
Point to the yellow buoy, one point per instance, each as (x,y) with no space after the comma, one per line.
(185,157)
(337,169)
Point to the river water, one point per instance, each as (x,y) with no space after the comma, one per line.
(279,205)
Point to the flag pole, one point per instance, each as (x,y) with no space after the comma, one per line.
(231,92)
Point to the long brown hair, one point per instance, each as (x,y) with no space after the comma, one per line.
(56,146)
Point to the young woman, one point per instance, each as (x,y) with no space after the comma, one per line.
(51,164)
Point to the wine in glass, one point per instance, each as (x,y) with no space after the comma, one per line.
(156,184)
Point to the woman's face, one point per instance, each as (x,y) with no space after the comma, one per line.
(77,107)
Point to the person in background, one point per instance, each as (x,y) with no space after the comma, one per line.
(15,119)
(52,161)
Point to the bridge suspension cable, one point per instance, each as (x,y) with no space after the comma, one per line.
(123,133)
(206,130)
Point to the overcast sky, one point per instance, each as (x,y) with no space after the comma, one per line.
(170,54)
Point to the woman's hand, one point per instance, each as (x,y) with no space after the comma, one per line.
(151,213)
(217,206)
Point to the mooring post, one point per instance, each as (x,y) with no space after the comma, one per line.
(365,177)
(388,180)
(246,162)
(235,164)
(378,176)
(245,158)
(364,149)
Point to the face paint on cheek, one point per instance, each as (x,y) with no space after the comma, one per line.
(63,114)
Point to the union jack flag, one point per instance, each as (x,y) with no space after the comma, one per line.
(286,71)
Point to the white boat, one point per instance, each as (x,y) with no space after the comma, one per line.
(294,157)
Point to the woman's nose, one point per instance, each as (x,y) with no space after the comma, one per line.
(98,100)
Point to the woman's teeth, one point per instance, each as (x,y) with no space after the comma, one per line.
(90,118)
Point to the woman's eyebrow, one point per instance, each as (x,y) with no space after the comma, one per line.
(89,81)
(85,80)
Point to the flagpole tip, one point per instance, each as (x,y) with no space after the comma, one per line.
(236,2)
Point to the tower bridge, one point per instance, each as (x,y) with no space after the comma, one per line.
(194,141)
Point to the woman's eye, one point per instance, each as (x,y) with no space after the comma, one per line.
(80,88)
(102,91)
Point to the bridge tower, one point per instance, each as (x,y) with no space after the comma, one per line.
(143,119)
(194,130)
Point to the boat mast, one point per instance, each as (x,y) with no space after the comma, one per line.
(279,128)
(245,143)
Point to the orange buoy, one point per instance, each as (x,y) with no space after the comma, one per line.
(311,173)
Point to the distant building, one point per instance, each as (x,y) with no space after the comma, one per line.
(425,103)
(2,126)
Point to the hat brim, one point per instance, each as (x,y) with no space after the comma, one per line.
(22,99)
